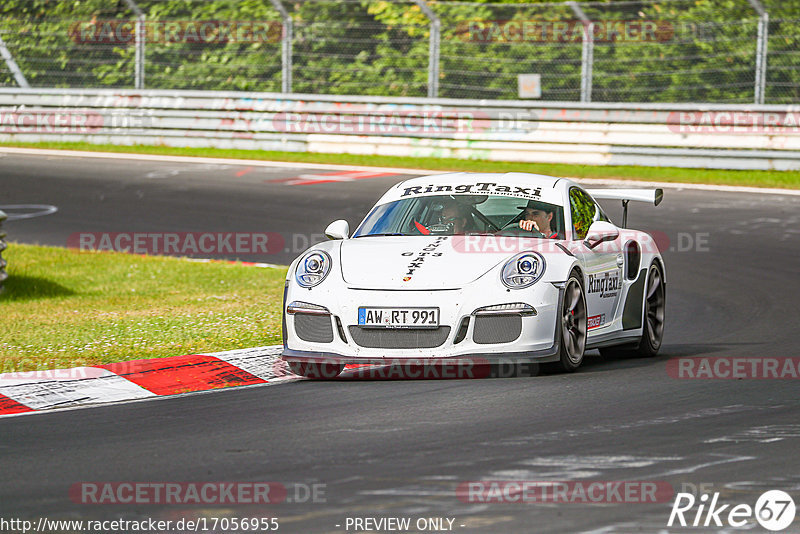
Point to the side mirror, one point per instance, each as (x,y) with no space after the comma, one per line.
(600,232)
(338,230)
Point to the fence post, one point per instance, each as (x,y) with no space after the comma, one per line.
(286,46)
(761,51)
(12,65)
(433,48)
(140,37)
(3,263)
(587,52)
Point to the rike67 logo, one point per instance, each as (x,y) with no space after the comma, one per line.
(774,510)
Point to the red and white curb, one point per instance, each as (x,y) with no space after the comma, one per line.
(36,391)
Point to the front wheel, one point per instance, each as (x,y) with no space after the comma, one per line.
(316,370)
(573,325)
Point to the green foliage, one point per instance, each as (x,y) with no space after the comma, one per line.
(705,49)
(64,308)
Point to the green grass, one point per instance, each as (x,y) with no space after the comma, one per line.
(782,179)
(64,308)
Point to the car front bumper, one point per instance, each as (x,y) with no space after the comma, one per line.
(335,337)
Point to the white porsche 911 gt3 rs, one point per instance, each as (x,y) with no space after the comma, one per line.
(511,267)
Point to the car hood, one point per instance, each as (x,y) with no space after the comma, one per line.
(416,262)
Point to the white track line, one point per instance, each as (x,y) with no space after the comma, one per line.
(397,170)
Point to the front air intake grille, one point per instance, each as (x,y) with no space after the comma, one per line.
(400,338)
(462,331)
(313,328)
(340,329)
(491,329)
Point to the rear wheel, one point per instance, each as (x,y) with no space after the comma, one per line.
(654,312)
(653,327)
(573,325)
(316,370)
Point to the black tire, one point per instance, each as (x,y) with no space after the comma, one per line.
(655,304)
(573,325)
(653,323)
(316,370)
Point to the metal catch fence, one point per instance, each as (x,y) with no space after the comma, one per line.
(741,51)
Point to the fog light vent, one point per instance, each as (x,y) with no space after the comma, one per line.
(462,331)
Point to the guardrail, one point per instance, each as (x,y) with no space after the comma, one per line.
(3,263)
(679,135)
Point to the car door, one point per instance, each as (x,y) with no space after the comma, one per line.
(602,265)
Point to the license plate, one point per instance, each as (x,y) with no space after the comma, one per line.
(382,317)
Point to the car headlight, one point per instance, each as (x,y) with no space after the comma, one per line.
(313,268)
(523,270)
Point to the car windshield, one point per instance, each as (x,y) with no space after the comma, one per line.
(456,215)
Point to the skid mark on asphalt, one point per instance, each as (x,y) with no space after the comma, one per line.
(329,177)
(569,468)
(577,467)
(600,462)
(171,171)
(614,428)
(193,170)
(244,171)
(761,434)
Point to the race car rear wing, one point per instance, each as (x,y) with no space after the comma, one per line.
(626,195)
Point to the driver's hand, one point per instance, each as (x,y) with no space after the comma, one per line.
(530,226)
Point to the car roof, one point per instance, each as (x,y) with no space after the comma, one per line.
(518,184)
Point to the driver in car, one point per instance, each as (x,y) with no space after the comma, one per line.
(537,217)
(456,215)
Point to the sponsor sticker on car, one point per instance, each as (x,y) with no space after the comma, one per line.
(383,317)
(596,321)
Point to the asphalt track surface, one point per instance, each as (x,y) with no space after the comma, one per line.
(400,448)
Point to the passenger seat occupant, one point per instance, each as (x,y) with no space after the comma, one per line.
(538,216)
